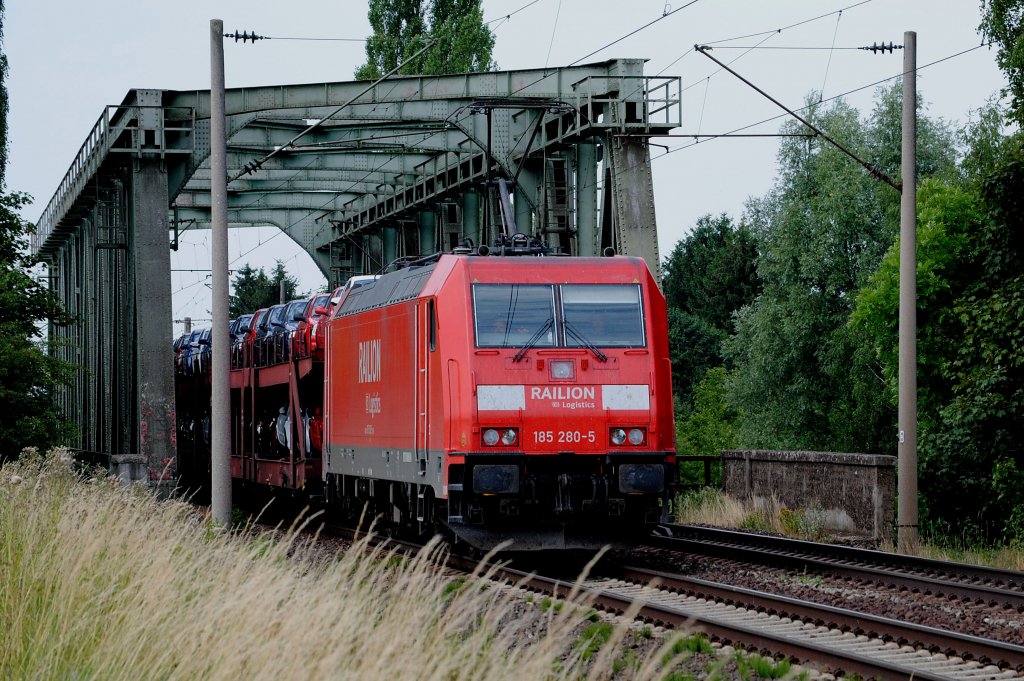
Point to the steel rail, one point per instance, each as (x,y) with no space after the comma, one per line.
(933,639)
(977,584)
(844,662)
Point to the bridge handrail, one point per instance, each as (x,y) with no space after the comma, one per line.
(661,97)
(85,163)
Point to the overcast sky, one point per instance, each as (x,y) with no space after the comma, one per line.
(70,59)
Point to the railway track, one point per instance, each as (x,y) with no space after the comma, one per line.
(971,583)
(841,641)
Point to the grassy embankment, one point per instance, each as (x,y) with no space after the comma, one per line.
(710,506)
(99,581)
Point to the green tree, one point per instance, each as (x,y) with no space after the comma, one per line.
(29,376)
(970,286)
(971,457)
(694,347)
(707,427)
(462,42)
(255,289)
(821,232)
(801,379)
(948,216)
(1002,22)
(712,272)
(711,424)
(708,276)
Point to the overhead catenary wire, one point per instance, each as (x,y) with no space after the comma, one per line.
(738,132)
(554,30)
(663,16)
(730,63)
(828,65)
(705,50)
(786,28)
(789,47)
(255,165)
(506,17)
(768,34)
(861,88)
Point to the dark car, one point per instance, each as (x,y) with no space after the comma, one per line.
(296,324)
(203,352)
(190,348)
(270,340)
(302,321)
(248,338)
(241,327)
(180,343)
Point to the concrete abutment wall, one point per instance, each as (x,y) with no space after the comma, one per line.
(854,493)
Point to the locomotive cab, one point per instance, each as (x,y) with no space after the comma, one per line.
(571,439)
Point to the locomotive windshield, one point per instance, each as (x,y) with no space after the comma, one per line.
(509,315)
(588,315)
(605,315)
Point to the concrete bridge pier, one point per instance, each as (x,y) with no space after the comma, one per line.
(151,287)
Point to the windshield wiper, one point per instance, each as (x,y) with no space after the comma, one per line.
(533,340)
(601,357)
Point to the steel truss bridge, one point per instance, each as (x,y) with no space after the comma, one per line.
(410,166)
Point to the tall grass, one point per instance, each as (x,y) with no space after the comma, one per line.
(100,581)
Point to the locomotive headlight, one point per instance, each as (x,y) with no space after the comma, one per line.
(618,436)
(491,437)
(636,436)
(562,369)
(509,437)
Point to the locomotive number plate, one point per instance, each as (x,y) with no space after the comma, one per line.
(571,437)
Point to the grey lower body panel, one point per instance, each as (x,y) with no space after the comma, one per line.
(399,465)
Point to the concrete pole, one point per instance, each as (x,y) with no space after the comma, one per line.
(280,292)
(220,401)
(188,325)
(907,409)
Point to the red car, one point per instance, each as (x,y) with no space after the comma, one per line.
(249,340)
(330,311)
(318,313)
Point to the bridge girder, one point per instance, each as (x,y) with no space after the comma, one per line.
(392,150)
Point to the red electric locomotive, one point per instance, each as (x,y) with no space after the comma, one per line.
(513,397)
(505,398)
